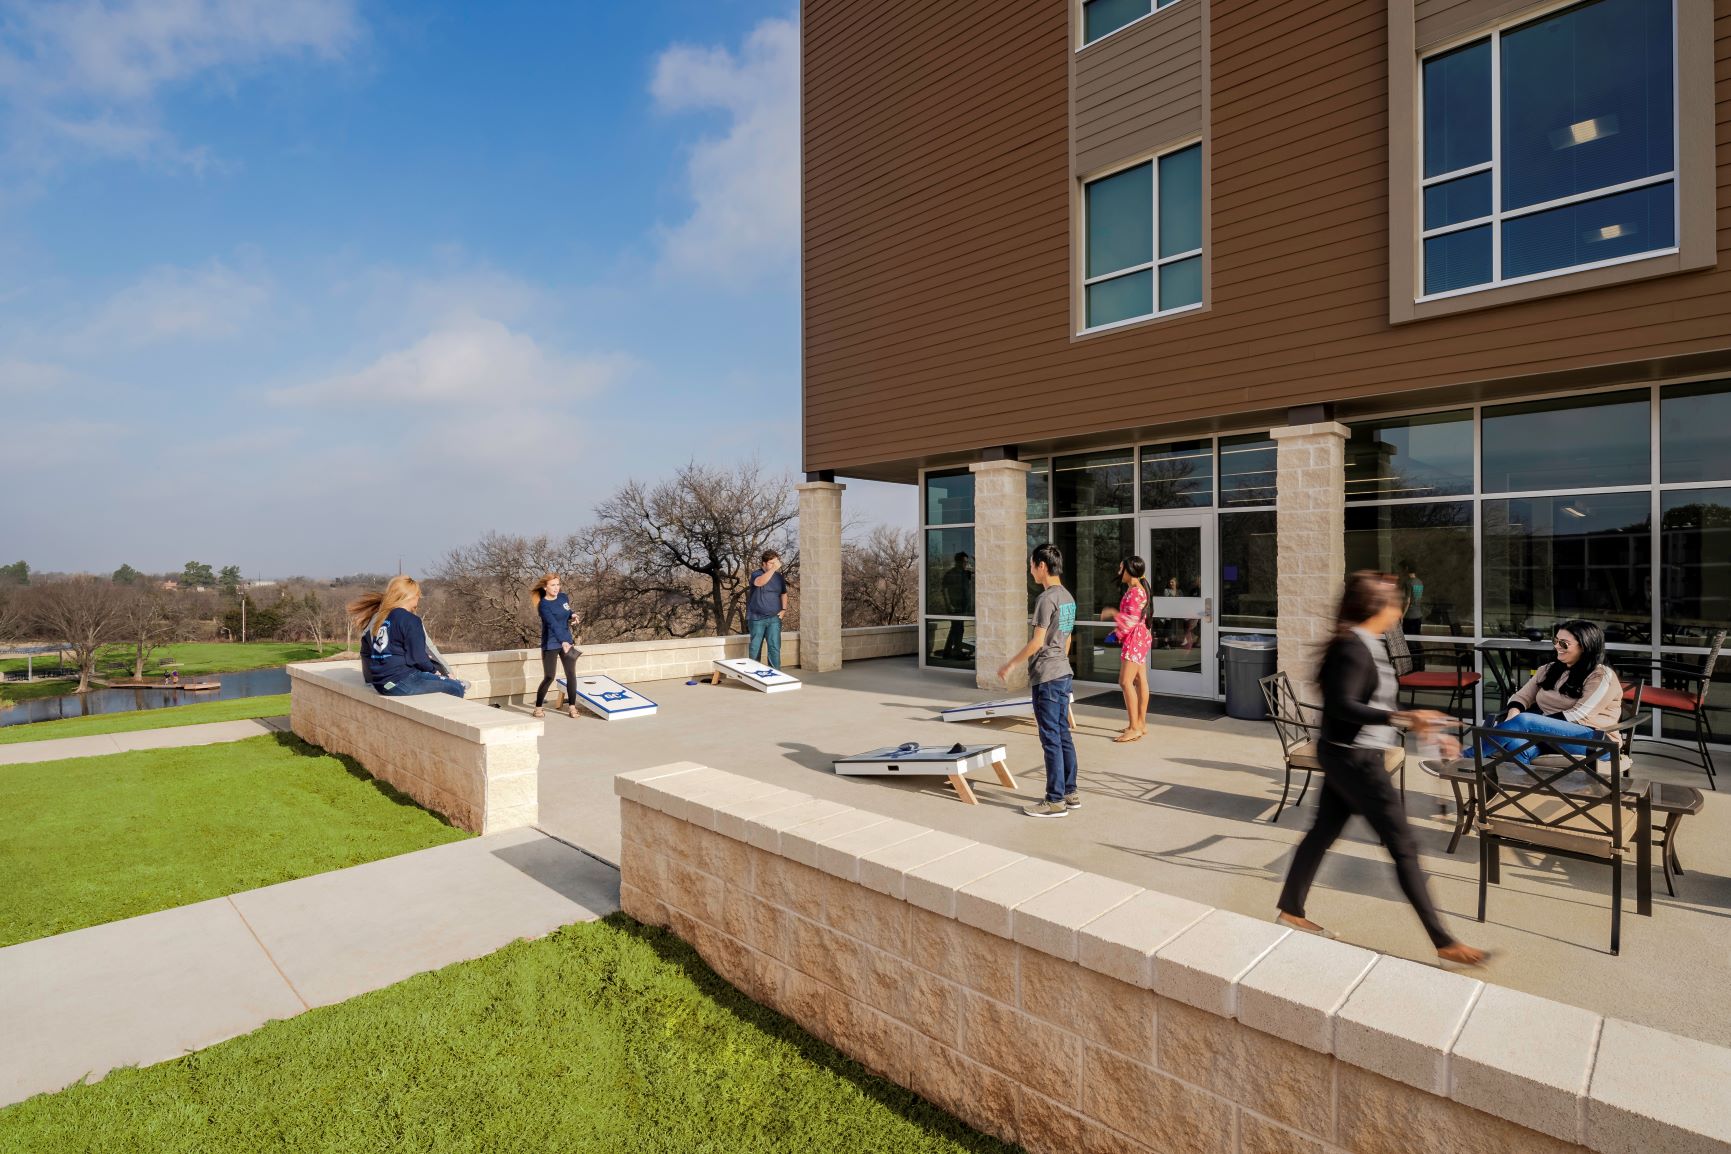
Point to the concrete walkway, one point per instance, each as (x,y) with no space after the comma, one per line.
(151,988)
(97,744)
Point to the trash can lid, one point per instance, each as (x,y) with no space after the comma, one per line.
(1249,641)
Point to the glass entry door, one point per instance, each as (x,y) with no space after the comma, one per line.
(1179,550)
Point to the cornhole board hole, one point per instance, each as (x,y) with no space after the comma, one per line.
(753,673)
(1022,706)
(607,699)
(951,761)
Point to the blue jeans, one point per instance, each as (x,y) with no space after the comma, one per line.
(765,631)
(1051,709)
(1539,725)
(415,682)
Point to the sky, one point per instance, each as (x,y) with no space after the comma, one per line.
(307,286)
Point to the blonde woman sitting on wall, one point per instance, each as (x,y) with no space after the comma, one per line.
(396,658)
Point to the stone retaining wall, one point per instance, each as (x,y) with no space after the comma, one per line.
(1071,1012)
(477,766)
(512,673)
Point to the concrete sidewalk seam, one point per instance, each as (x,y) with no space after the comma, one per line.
(573,845)
(267,954)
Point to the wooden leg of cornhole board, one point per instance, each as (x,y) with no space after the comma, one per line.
(963,789)
(715,678)
(1002,769)
(1071,714)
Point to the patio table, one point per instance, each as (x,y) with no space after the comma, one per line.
(1510,658)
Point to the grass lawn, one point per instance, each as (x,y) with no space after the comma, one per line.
(196,657)
(94,839)
(606,1036)
(30,690)
(274,705)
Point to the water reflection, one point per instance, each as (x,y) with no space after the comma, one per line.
(251,683)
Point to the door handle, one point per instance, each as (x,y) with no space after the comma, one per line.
(1208,609)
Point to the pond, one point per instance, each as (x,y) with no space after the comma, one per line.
(249,683)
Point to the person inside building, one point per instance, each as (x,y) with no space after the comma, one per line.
(558,645)
(1135,639)
(1577,695)
(1359,719)
(396,659)
(957,588)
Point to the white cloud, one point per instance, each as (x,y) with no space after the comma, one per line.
(745,184)
(84,76)
(178,304)
(17,376)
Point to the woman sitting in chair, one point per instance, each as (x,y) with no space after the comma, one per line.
(1577,695)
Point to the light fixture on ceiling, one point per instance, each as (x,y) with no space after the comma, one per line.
(1610,232)
(1584,131)
(1577,509)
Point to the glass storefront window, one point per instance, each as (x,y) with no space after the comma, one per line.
(1694,565)
(1695,432)
(950,572)
(1248,578)
(1090,656)
(1037,535)
(949,644)
(950,498)
(1094,484)
(1039,489)
(1430,546)
(1177,476)
(1575,443)
(1425,456)
(1092,551)
(1551,558)
(1247,471)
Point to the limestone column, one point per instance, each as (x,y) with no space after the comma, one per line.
(1310,543)
(1000,570)
(820,575)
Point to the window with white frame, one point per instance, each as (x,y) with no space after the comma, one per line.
(1550,146)
(1143,239)
(1104,17)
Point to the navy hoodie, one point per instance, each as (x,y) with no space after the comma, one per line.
(398,645)
(555,621)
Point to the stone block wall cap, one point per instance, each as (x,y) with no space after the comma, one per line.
(1526,1059)
(819,486)
(1294,990)
(1006,466)
(1402,1020)
(1656,1091)
(1320,428)
(1201,966)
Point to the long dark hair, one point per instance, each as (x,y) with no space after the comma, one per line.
(1367,593)
(1591,639)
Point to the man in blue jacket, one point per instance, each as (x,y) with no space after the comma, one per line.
(764,605)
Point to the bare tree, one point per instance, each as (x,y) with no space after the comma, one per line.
(686,546)
(485,586)
(11,615)
(82,613)
(880,577)
(145,619)
(315,615)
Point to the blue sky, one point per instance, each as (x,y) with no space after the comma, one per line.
(306,285)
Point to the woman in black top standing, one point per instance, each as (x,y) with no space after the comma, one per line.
(557,643)
(1359,719)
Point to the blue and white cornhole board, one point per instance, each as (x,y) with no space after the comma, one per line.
(1022,706)
(755,674)
(951,761)
(607,699)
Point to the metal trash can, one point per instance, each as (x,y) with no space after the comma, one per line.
(1248,657)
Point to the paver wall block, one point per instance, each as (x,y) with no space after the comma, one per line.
(723,857)
(1651,1091)
(1122,941)
(1049,921)
(840,855)
(801,842)
(933,886)
(1202,965)
(885,870)
(1402,1019)
(640,905)
(693,891)
(1258,1135)
(1046,1127)
(976,959)
(990,902)
(866,914)
(1034,1053)
(1377,1115)
(793,887)
(932,1005)
(844,964)
(1295,989)
(1102,1010)
(1136,1099)
(1525,1059)
(1281,1080)
(977,1094)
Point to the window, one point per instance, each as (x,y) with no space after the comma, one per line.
(1103,17)
(1574,443)
(947,582)
(1695,564)
(1143,239)
(950,498)
(1550,146)
(1249,594)
(1429,544)
(1094,484)
(1551,558)
(1407,457)
(1695,432)
(1039,489)
(1092,551)
(1247,470)
(1178,476)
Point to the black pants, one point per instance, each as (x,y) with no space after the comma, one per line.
(550,659)
(1354,781)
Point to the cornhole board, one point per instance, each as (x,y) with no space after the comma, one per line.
(1022,706)
(607,699)
(753,673)
(951,761)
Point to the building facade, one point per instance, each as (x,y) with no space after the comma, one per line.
(1264,292)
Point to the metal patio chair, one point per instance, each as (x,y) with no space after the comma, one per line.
(1459,680)
(1679,698)
(1298,724)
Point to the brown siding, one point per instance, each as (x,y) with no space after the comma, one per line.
(1441,20)
(1139,88)
(937,233)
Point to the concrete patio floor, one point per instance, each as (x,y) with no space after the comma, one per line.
(1185,811)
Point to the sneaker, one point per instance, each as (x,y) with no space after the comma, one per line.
(1072,801)
(1046,809)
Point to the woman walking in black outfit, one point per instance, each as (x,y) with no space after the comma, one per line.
(557,644)
(1358,723)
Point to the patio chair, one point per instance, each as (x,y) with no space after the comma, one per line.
(1298,724)
(1575,805)
(1458,680)
(1691,703)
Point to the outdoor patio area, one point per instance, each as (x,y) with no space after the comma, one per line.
(1184,811)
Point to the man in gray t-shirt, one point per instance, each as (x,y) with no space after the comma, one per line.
(1049,675)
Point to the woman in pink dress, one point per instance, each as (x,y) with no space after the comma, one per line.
(1134,641)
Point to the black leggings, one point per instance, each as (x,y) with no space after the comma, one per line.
(1354,781)
(550,659)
